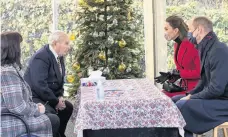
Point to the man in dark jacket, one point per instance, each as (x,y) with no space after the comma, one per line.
(45,75)
(207,104)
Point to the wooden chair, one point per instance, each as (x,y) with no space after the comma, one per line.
(224,126)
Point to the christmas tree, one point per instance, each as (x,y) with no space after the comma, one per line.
(109,38)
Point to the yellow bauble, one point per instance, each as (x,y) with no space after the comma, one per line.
(102,55)
(72,37)
(82,3)
(76,66)
(122,43)
(122,67)
(70,78)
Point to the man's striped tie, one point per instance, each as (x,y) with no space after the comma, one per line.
(59,64)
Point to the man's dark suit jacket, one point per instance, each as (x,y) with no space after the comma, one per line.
(214,67)
(44,77)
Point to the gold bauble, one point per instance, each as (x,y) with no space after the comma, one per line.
(122,67)
(76,66)
(102,56)
(72,37)
(70,78)
(83,3)
(122,43)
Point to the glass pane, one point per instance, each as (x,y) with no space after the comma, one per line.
(216,10)
(32,18)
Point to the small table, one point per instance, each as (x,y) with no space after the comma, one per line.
(128,103)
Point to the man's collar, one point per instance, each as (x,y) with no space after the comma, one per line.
(53,51)
(203,42)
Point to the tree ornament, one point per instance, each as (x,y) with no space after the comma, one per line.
(102,55)
(72,37)
(122,43)
(106,71)
(82,3)
(76,66)
(70,78)
(122,67)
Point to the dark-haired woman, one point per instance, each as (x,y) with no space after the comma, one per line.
(186,56)
(16,94)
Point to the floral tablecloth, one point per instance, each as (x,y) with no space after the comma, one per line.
(128,103)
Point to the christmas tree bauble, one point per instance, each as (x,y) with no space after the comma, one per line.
(102,55)
(82,3)
(122,67)
(70,78)
(122,43)
(76,66)
(72,37)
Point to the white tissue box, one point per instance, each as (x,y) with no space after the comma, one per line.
(87,82)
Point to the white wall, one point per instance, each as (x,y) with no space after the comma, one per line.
(155,44)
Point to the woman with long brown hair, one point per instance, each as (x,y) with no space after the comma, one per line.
(186,59)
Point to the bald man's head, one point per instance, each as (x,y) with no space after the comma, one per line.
(200,27)
(59,40)
(203,22)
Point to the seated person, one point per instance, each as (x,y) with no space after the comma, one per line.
(186,58)
(45,75)
(206,106)
(16,94)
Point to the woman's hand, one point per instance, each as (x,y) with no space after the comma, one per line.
(162,78)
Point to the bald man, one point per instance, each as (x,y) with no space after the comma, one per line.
(45,75)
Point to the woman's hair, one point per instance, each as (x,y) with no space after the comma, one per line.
(177,22)
(10,48)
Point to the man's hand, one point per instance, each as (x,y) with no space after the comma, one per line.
(41,108)
(186,98)
(61,105)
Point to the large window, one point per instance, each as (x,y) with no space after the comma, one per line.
(36,19)
(31,18)
(216,10)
